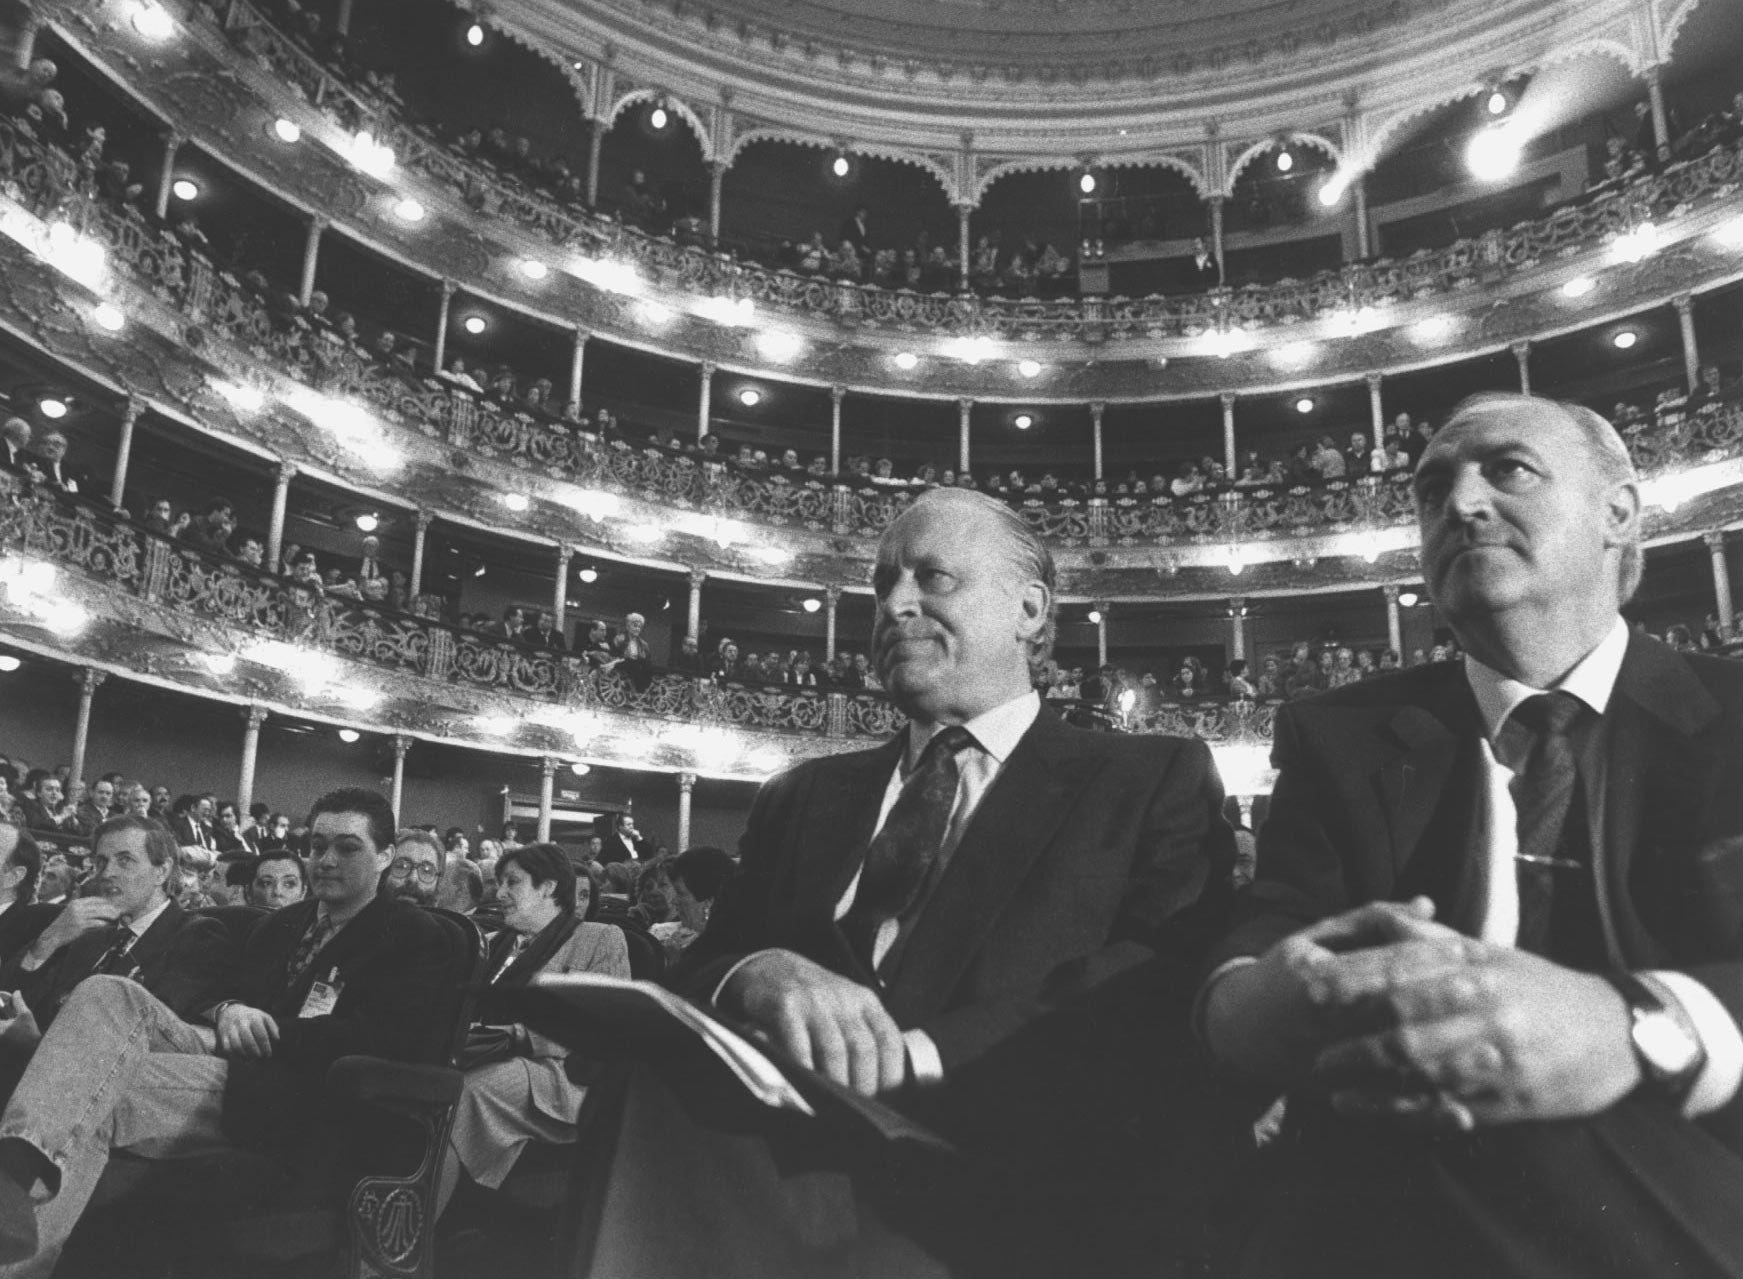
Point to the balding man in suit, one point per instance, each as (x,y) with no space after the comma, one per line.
(1494,952)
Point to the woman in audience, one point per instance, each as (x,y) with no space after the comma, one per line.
(517,1088)
(696,878)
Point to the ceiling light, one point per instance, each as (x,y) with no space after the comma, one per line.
(185,189)
(1434,329)
(658,118)
(52,409)
(1304,404)
(374,158)
(286,130)
(533,269)
(840,167)
(1497,103)
(109,316)
(481,570)
(1578,287)
(1095,617)
(475,35)
(349,735)
(780,345)
(219,663)
(1624,339)
(906,360)
(580,769)
(152,22)
(1493,154)
(589,575)
(368,522)
(810,603)
(1635,245)
(1332,190)
(408,210)
(1408,598)
(9,663)
(516,501)
(1730,234)
(1023,421)
(1029,368)
(654,312)
(750,397)
(1285,161)
(246,398)
(1086,184)
(474,324)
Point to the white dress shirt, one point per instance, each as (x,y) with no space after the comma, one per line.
(1592,680)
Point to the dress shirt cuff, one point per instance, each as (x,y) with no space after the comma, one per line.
(925,1066)
(1201,1005)
(1719,1035)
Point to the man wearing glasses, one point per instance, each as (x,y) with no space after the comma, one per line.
(416,870)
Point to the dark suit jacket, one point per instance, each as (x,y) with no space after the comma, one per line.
(183,959)
(1376,801)
(390,962)
(22,923)
(189,829)
(1052,961)
(37,817)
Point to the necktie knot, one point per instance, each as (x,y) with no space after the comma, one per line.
(951,741)
(1549,714)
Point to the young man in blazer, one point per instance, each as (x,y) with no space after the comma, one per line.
(1494,950)
(992,924)
(347,972)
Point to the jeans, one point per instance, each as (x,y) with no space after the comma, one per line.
(116,1071)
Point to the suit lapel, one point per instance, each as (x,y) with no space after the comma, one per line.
(1015,823)
(155,942)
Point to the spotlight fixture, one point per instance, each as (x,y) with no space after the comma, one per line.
(589,575)
(52,409)
(659,117)
(109,316)
(533,269)
(408,210)
(1408,598)
(1578,287)
(1285,160)
(475,35)
(1331,191)
(368,522)
(1095,617)
(286,130)
(185,189)
(1497,103)
(1624,339)
(9,663)
(349,735)
(474,324)
(516,501)
(1029,368)
(1086,183)
(840,166)
(750,397)
(1023,421)
(810,603)
(906,360)
(1304,404)
(1493,154)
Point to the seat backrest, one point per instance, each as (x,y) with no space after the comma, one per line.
(238,921)
(467,967)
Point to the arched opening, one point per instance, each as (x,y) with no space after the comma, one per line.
(650,168)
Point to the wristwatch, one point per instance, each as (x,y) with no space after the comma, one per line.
(1669,1050)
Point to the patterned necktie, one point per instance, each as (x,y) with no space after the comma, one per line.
(902,854)
(307,949)
(1558,915)
(114,962)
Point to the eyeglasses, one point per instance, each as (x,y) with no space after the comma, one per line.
(423,870)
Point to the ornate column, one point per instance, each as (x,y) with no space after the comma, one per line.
(415,583)
(836,395)
(686,784)
(253,718)
(693,619)
(547,794)
(1230,458)
(124,449)
(964,408)
(28,25)
(1216,236)
(1394,623)
(1101,634)
(88,679)
(716,176)
(831,601)
(1359,211)
(1522,353)
(595,138)
(1096,409)
(166,175)
(1660,121)
(343,25)
(1691,347)
(1376,410)
(704,401)
(442,311)
(287,472)
(1246,806)
(1721,578)
(560,596)
(963,246)
(1237,626)
(311,258)
(577,357)
(401,744)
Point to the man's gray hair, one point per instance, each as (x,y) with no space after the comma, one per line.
(1029,557)
(413,835)
(1604,447)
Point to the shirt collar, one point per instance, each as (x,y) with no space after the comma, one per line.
(996,732)
(147,919)
(1592,680)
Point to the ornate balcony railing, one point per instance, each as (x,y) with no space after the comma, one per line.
(254,606)
(1479,260)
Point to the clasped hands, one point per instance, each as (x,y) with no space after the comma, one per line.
(821,1019)
(1402,1020)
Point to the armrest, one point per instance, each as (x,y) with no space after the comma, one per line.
(376,1079)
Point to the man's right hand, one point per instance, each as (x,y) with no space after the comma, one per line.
(78,917)
(822,1020)
(246,1032)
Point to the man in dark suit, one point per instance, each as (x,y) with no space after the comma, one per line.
(49,457)
(990,923)
(21,918)
(15,456)
(348,972)
(856,230)
(1494,951)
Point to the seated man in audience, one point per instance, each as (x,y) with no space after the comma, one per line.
(42,806)
(349,972)
(130,926)
(278,880)
(15,457)
(415,874)
(56,880)
(992,923)
(21,918)
(1492,950)
(50,458)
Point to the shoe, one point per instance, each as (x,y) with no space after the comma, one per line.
(17,1223)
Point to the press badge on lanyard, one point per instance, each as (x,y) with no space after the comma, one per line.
(323,996)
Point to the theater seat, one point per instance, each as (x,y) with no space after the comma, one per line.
(235,1213)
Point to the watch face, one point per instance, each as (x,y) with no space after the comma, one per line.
(1667,1047)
